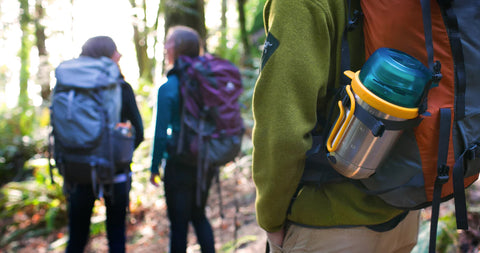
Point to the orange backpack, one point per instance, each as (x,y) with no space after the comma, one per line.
(437,159)
(448,107)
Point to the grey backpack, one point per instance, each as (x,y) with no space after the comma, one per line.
(85,113)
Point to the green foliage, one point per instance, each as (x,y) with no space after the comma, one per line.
(229,51)
(182,6)
(232,48)
(249,77)
(15,148)
(3,76)
(447,236)
(233,245)
(32,207)
(98,226)
(26,122)
(255,19)
(144,94)
(256,28)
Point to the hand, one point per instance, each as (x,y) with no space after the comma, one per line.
(153,179)
(277,237)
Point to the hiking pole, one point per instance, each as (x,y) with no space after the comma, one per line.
(50,151)
(219,190)
(236,223)
(237,208)
(50,168)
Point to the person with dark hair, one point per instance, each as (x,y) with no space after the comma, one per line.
(99,46)
(179,179)
(81,197)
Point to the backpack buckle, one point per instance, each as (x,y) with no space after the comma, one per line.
(378,129)
(355,21)
(442,176)
(437,74)
(472,152)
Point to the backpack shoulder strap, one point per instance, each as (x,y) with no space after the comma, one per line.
(451,22)
(442,173)
(316,156)
(353,24)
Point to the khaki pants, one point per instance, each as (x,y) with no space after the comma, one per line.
(402,238)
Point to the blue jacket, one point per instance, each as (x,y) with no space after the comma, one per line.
(167,117)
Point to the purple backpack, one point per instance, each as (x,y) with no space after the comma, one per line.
(211,124)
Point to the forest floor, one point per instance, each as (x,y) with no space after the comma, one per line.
(238,223)
(148,225)
(235,231)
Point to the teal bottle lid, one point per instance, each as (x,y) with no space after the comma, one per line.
(395,77)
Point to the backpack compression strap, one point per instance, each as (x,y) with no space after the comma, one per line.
(443,177)
(442,173)
(435,67)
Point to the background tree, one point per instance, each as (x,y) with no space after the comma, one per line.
(44,68)
(190,13)
(243,31)
(223,26)
(54,28)
(24,54)
(143,34)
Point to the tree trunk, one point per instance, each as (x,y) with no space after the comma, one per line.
(223,28)
(44,68)
(24,54)
(243,30)
(141,46)
(140,34)
(189,13)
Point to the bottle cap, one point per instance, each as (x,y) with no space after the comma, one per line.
(395,77)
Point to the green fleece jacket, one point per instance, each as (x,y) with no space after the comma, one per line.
(300,59)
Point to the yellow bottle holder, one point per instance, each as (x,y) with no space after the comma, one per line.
(341,123)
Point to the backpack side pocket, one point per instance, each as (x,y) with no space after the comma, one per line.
(123,144)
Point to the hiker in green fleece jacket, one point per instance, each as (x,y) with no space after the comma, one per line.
(300,62)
